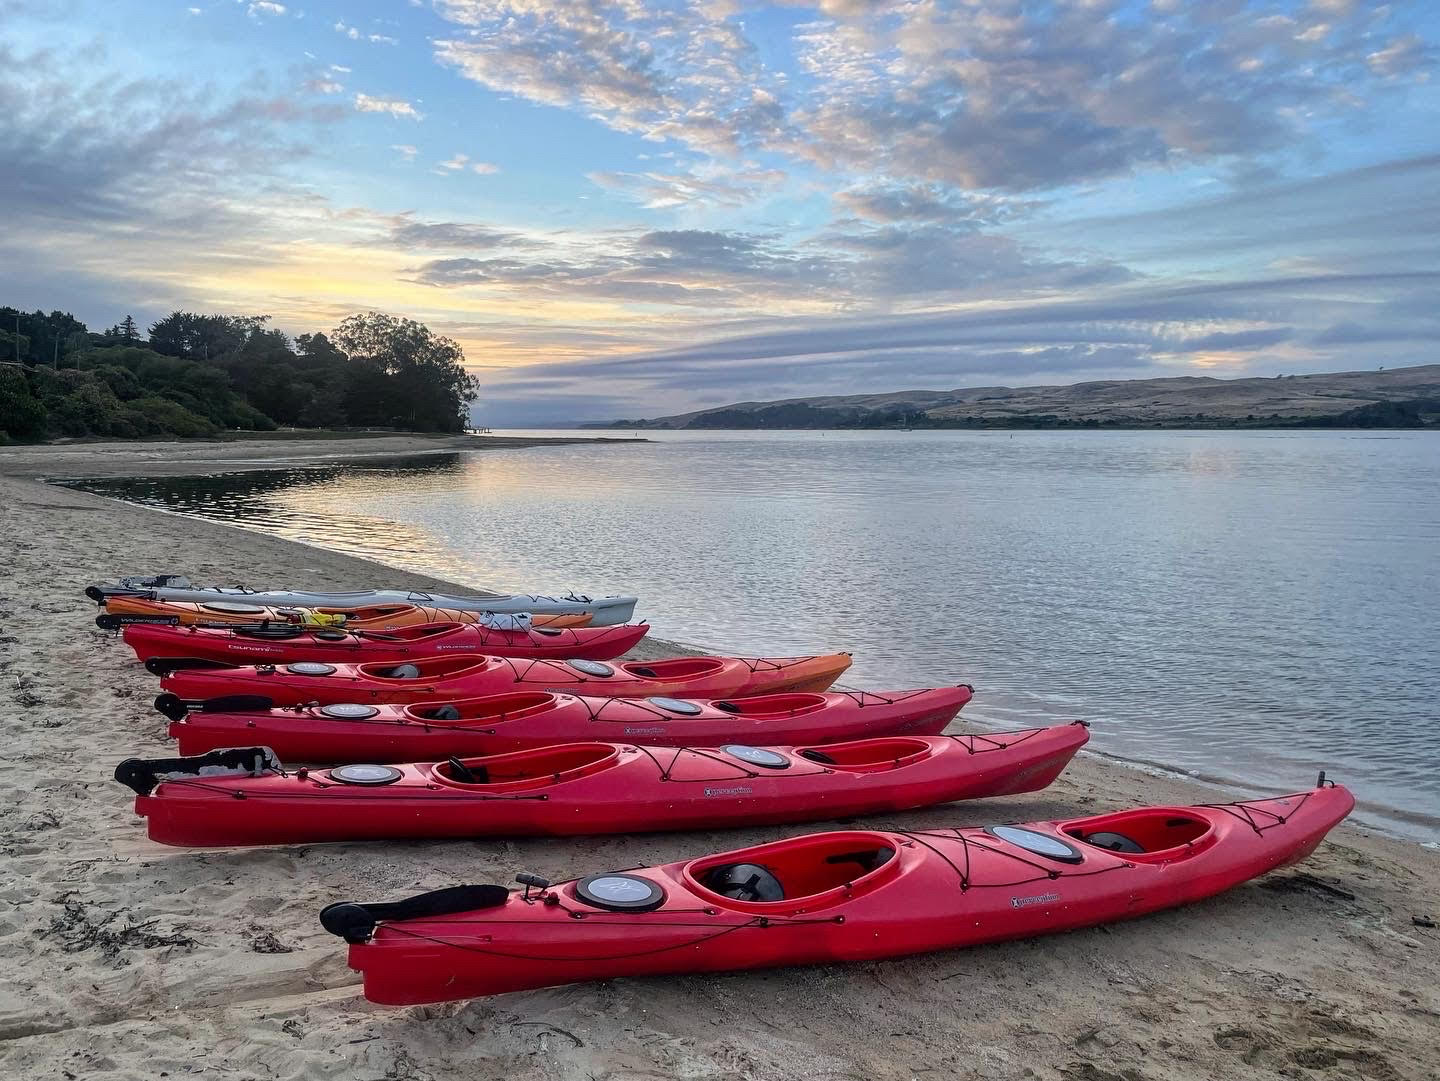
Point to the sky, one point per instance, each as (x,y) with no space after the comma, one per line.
(627,209)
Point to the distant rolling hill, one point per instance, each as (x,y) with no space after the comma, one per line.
(1398,397)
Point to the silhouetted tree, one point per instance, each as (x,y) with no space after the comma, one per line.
(415,376)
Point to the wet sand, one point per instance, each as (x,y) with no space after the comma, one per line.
(174,458)
(124,959)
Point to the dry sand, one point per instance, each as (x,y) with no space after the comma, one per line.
(124,959)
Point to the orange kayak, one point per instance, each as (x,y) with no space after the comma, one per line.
(370,617)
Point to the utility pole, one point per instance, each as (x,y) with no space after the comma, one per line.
(55,357)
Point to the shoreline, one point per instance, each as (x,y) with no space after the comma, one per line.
(125,958)
(165,458)
(1408,826)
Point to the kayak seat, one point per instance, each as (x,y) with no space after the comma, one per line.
(446,712)
(744,882)
(867,860)
(640,670)
(403,671)
(1114,842)
(476,774)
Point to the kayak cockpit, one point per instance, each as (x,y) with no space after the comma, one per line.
(420,632)
(369,611)
(426,667)
(1151,835)
(229,608)
(812,871)
(869,755)
(773,705)
(674,668)
(490,708)
(540,767)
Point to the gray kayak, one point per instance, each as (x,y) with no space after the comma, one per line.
(606,611)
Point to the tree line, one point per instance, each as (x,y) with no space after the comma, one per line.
(193,376)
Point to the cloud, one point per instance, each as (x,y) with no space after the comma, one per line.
(663,191)
(1125,332)
(324,86)
(664,73)
(405,150)
(940,203)
(382,39)
(408,233)
(349,31)
(484,168)
(1237,341)
(1401,57)
(101,148)
(264,7)
(1005,96)
(392,106)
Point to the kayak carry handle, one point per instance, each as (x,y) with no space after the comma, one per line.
(177,708)
(141,775)
(529,881)
(355,922)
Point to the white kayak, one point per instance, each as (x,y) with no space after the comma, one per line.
(606,611)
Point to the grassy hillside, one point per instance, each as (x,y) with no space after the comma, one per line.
(1400,397)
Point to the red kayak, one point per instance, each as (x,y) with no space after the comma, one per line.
(282,642)
(520,720)
(443,679)
(855,895)
(582,788)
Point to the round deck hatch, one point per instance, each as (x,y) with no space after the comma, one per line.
(620,893)
(310,668)
(1041,844)
(675,705)
(756,756)
(349,711)
(592,668)
(365,775)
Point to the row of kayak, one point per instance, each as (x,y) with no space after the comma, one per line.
(438,719)
(235,600)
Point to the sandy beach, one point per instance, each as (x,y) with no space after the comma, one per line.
(124,959)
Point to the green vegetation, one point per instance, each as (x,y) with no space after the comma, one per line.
(195,376)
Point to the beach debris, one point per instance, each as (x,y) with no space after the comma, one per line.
(76,931)
(22,694)
(265,942)
(1423,921)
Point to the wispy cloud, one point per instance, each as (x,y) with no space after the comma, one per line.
(391,106)
(264,7)
(354,33)
(656,190)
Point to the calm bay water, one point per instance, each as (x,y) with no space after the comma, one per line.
(1248,606)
